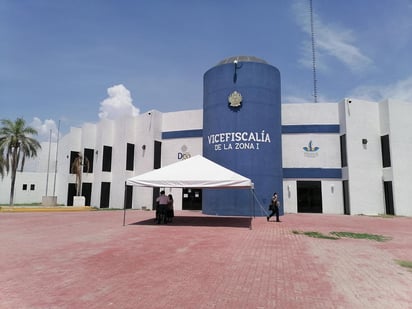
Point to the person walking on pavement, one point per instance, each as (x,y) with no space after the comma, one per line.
(274,207)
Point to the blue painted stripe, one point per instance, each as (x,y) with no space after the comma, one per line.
(311,128)
(312,173)
(315,128)
(182,134)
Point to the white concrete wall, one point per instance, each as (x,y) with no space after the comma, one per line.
(400,140)
(104,137)
(177,149)
(182,120)
(88,140)
(293,154)
(364,161)
(34,172)
(147,131)
(69,142)
(21,196)
(358,120)
(328,155)
(332,196)
(124,133)
(310,113)
(290,198)
(174,150)
(140,131)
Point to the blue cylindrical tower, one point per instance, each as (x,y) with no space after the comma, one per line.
(242,132)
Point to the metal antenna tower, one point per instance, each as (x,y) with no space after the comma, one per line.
(312,32)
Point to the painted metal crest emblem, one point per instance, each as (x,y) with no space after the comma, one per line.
(235,99)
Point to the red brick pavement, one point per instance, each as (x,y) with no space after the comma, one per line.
(90,260)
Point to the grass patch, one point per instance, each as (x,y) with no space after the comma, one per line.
(374,237)
(338,235)
(20,205)
(386,216)
(406,264)
(315,235)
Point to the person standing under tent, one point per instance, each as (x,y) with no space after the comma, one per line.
(170,210)
(161,209)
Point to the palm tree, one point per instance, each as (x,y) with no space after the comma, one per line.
(2,165)
(16,144)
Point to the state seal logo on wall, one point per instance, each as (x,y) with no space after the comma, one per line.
(235,99)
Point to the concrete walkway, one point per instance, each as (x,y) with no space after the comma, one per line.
(44,208)
(90,260)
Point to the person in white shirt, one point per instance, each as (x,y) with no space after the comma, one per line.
(162,202)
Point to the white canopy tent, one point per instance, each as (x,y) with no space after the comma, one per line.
(195,172)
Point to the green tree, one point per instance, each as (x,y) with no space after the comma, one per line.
(2,165)
(16,143)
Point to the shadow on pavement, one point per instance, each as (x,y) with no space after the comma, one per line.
(241,222)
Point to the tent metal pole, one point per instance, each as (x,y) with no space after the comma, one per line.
(253,202)
(124,204)
(253,208)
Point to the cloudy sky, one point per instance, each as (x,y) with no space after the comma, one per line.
(77,61)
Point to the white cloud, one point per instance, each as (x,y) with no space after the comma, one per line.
(330,39)
(118,104)
(43,129)
(400,90)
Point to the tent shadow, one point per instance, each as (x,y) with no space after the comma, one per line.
(237,222)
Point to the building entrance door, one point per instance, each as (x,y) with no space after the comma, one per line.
(387,185)
(309,196)
(346,205)
(192,199)
(87,192)
(71,191)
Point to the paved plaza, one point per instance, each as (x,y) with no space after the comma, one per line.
(90,260)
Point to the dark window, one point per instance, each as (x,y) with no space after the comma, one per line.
(105,195)
(73,156)
(386,154)
(107,159)
(87,163)
(88,160)
(157,154)
(128,198)
(192,199)
(130,157)
(32,187)
(25,187)
(343,158)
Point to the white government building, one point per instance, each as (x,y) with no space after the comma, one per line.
(365,147)
(348,157)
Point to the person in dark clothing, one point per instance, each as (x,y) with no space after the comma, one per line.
(161,209)
(274,207)
(170,210)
